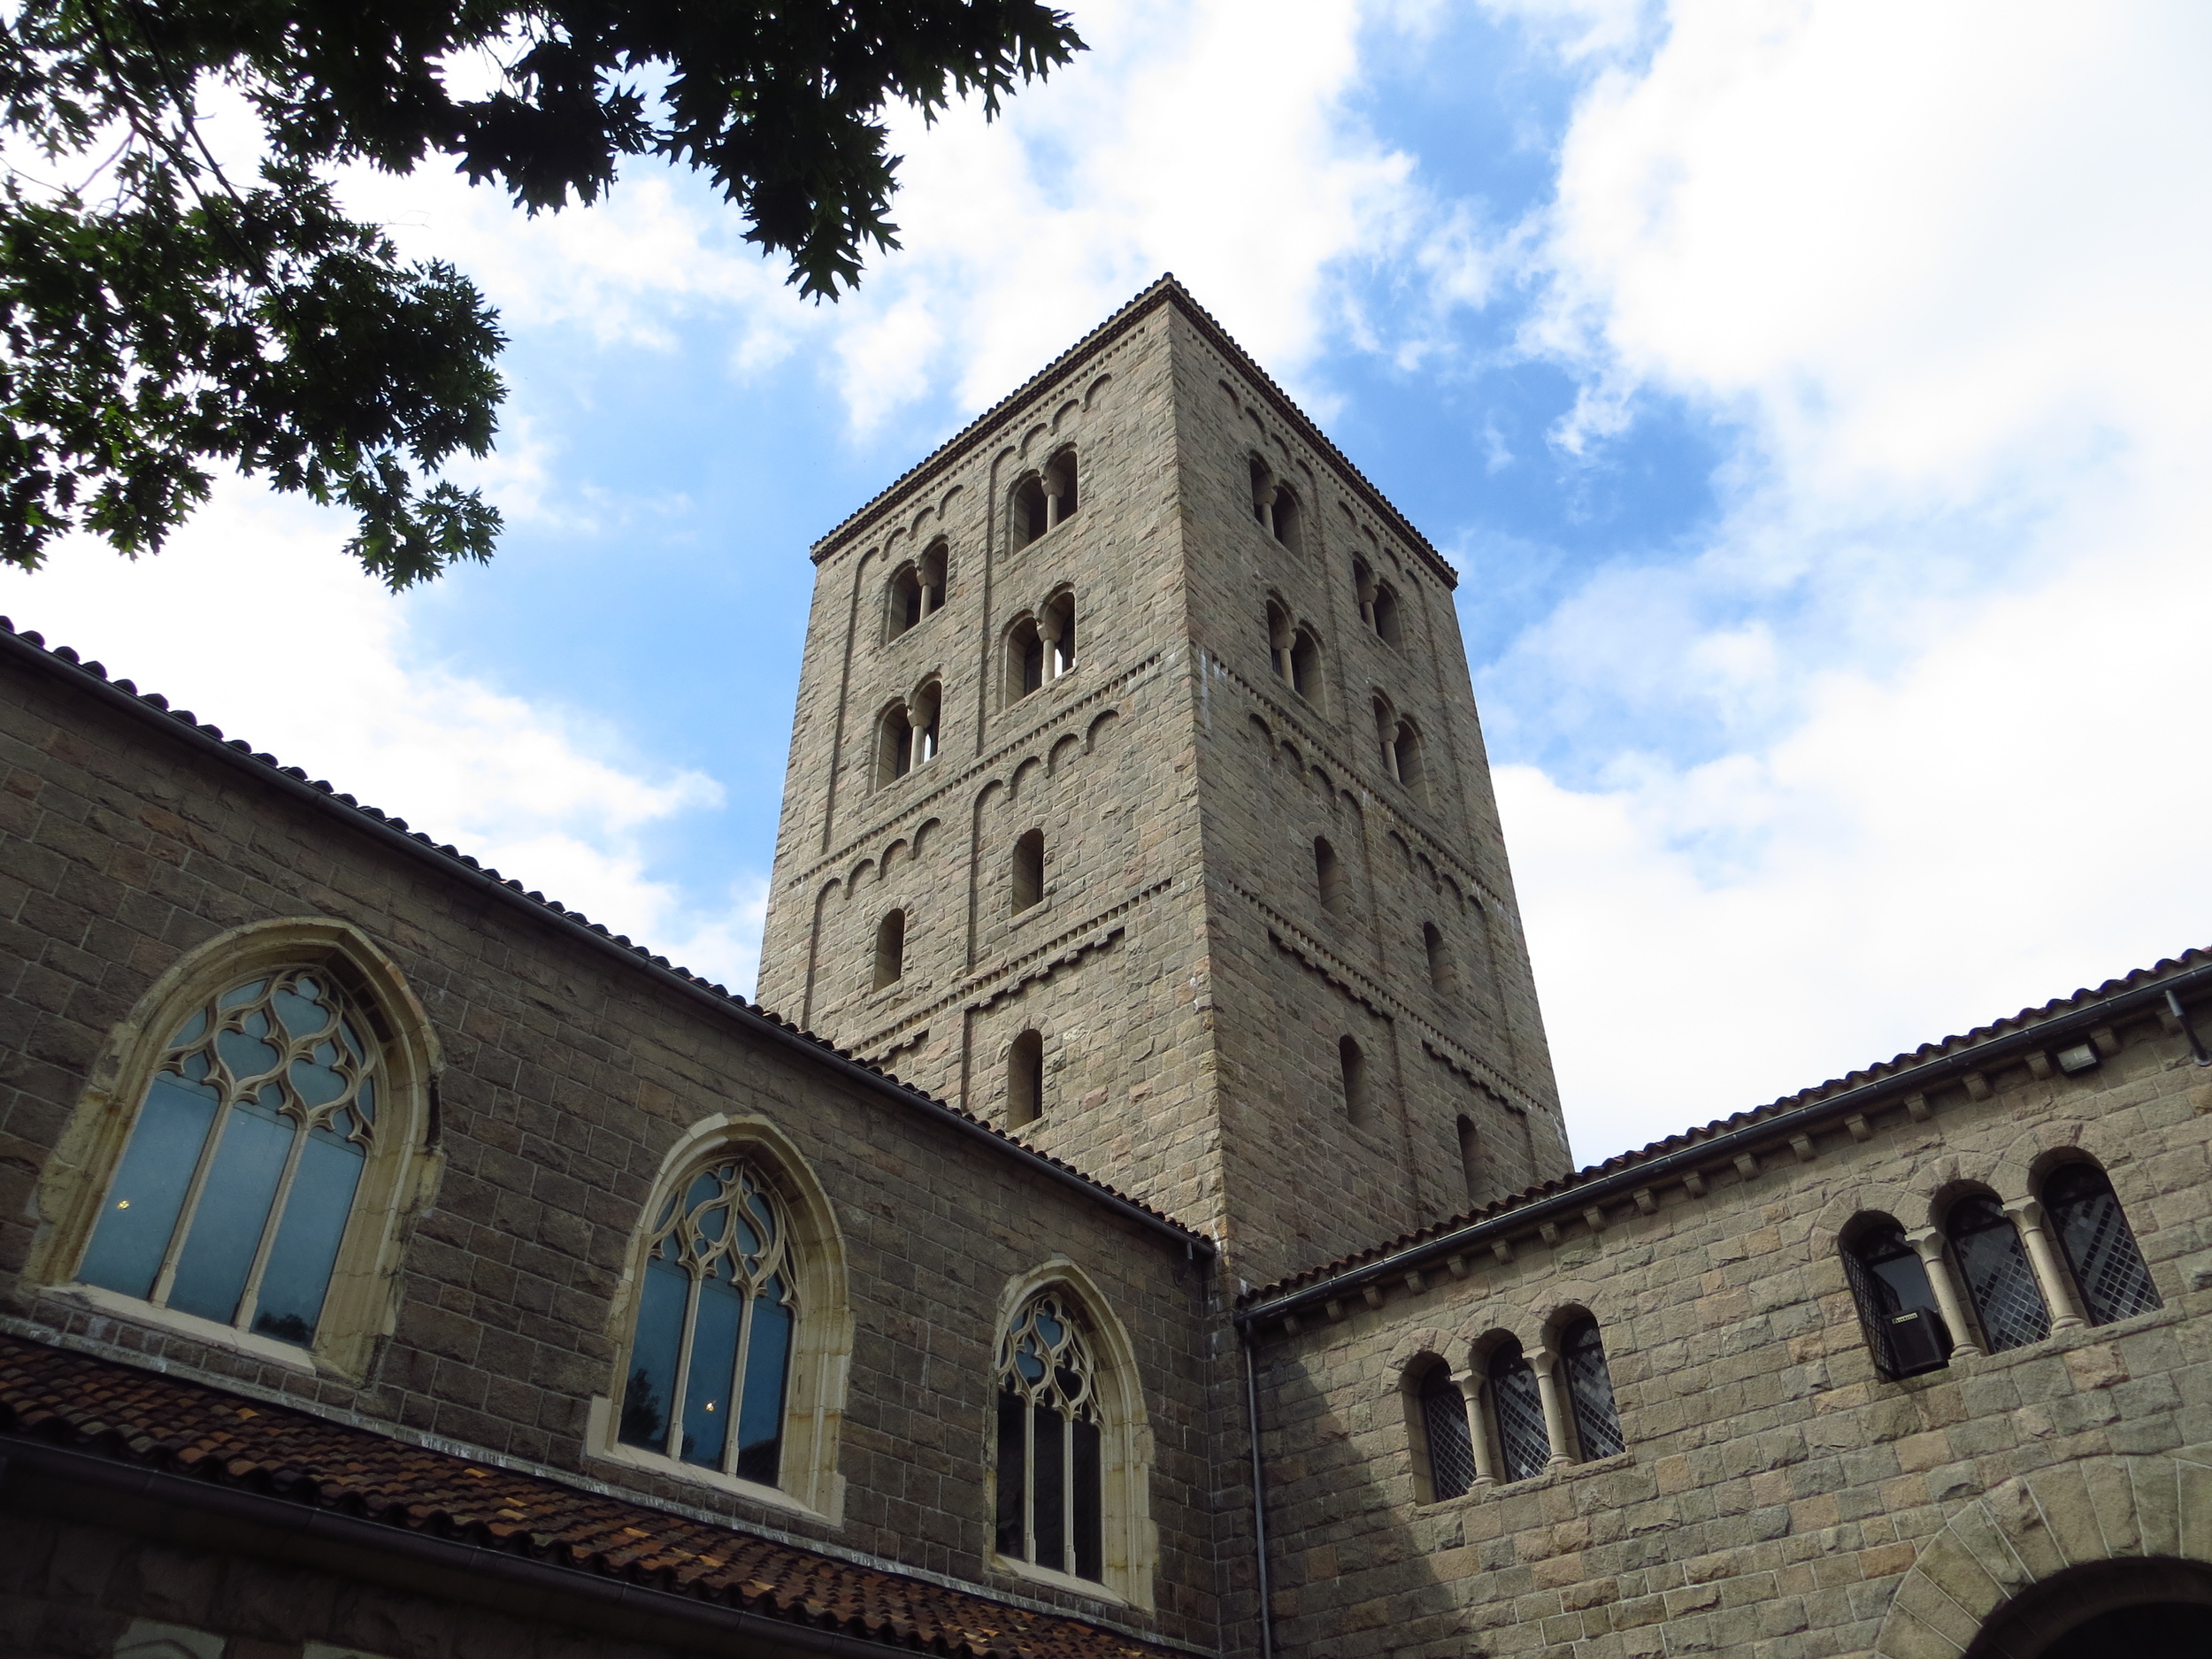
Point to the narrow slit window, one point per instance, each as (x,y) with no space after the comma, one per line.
(2000,1281)
(1029,870)
(1469,1157)
(1439,954)
(1897,1306)
(1444,1426)
(233,1192)
(711,1351)
(1352,1064)
(1024,1081)
(1590,1391)
(1050,1434)
(1328,875)
(890,949)
(2099,1248)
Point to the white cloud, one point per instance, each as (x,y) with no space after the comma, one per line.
(1945,268)
(254,621)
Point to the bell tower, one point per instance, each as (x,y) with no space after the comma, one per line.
(1138,806)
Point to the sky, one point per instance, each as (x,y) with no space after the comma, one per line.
(1814,398)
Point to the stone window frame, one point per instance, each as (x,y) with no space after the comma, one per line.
(1131,1545)
(1413,1376)
(1059,479)
(929,596)
(2067,1302)
(809,1483)
(1045,624)
(398,1182)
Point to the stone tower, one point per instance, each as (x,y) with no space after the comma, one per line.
(1137,804)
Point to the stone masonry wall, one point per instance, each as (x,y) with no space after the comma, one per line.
(1776,1491)
(569,1073)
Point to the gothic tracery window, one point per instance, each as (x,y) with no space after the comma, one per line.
(1999,1279)
(232,1195)
(1050,1441)
(2082,1210)
(710,1355)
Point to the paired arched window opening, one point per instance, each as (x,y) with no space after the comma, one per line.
(1024,1079)
(1044,499)
(233,1195)
(1351,1068)
(1377,602)
(1295,653)
(890,949)
(1401,741)
(710,1352)
(1028,883)
(1450,1447)
(1438,954)
(1328,876)
(1040,649)
(1897,1305)
(917,589)
(1050,1441)
(909,736)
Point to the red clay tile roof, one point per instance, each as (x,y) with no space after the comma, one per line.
(2025,1019)
(151,1419)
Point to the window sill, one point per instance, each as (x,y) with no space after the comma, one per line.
(2057,1343)
(601,1447)
(1029,913)
(1566,1471)
(1014,1568)
(175,1322)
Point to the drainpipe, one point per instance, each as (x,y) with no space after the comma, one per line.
(1259,1494)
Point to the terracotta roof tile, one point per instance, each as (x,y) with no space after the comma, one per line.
(168,1423)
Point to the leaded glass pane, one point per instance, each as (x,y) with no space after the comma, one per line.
(1444,1422)
(232,1197)
(1999,1279)
(1523,1448)
(1590,1389)
(2099,1245)
(1013,1470)
(1087,1506)
(718,1309)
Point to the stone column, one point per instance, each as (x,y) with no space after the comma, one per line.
(1949,1304)
(1478,1427)
(1543,1361)
(1055,490)
(2050,1273)
(1049,625)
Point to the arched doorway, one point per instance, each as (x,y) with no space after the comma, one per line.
(2146,1608)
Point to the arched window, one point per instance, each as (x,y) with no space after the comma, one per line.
(1278,640)
(1057,626)
(1025,659)
(1029,870)
(1451,1449)
(1897,1307)
(1281,517)
(1403,755)
(1590,1391)
(1999,1280)
(1305,665)
(1328,875)
(710,1358)
(1469,1155)
(1028,513)
(1364,591)
(906,605)
(1440,957)
(936,559)
(1516,1406)
(1050,1473)
(2081,1209)
(234,1194)
(924,717)
(890,949)
(1024,1081)
(1385,620)
(1059,484)
(895,745)
(1353,1066)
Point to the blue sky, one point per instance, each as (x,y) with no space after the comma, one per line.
(1812,398)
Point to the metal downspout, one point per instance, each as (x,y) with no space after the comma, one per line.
(1259,1495)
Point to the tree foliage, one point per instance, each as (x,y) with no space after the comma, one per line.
(159,316)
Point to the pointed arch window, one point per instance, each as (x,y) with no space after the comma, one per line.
(1451,1448)
(1516,1404)
(1999,1279)
(1897,1305)
(1590,1391)
(2099,1247)
(233,1192)
(709,1357)
(1050,1467)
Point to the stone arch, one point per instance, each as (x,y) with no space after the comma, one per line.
(398,1183)
(1430,1340)
(2034,1527)
(1823,1239)
(2021,1167)
(1097,393)
(822,1345)
(1063,751)
(1109,725)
